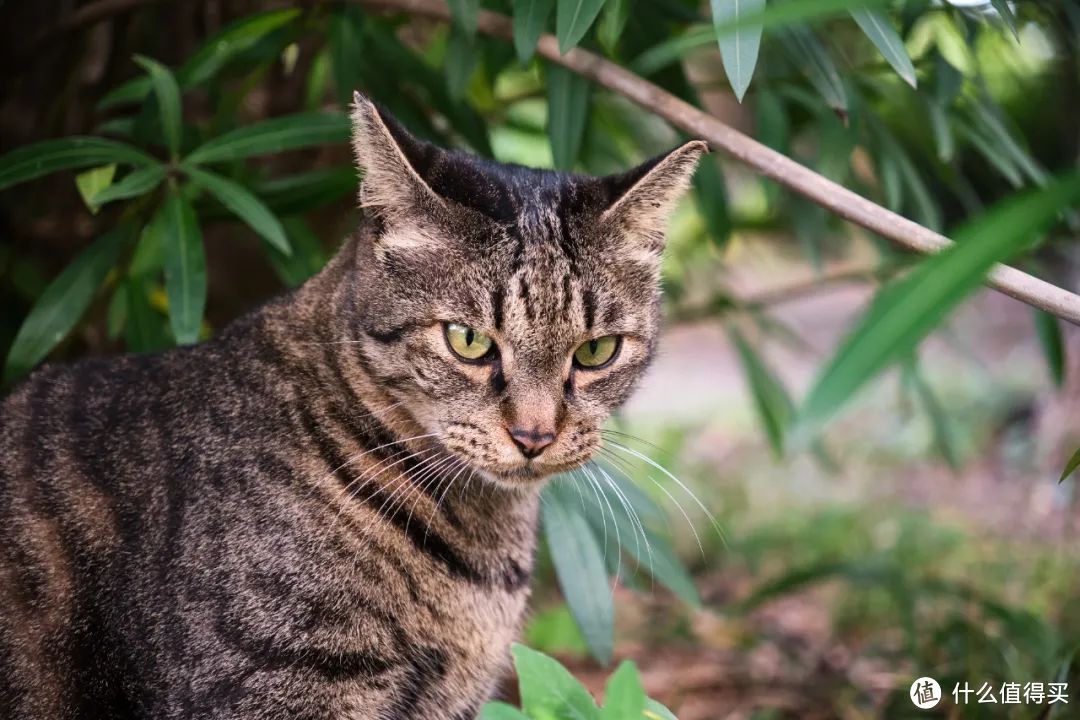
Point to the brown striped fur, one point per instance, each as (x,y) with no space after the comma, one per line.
(244,528)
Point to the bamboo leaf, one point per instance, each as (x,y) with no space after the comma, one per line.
(939,422)
(739,47)
(813,60)
(1007,15)
(1070,467)
(1048,331)
(530,19)
(33,161)
(63,302)
(906,311)
(568,112)
(579,566)
(877,27)
(774,406)
(573,18)
(273,136)
(185,266)
(167,93)
(138,182)
(244,205)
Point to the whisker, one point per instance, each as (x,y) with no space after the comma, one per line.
(635,520)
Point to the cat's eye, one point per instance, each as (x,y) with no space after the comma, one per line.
(596,353)
(467,343)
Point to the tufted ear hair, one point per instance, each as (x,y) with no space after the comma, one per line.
(389,156)
(645,196)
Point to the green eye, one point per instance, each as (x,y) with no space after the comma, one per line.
(467,343)
(596,353)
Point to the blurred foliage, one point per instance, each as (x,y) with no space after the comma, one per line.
(936,110)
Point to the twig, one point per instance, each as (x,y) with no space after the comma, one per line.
(822,191)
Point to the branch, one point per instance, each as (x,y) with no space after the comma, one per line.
(822,191)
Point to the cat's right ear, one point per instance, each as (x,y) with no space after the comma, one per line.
(391,186)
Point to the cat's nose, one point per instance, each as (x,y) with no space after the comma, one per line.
(531,442)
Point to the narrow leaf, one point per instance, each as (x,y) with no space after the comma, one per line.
(234,39)
(33,161)
(939,421)
(774,406)
(461,57)
(530,20)
(1070,467)
(464,15)
(738,47)
(91,182)
(579,566)
(573,18)
(613,22)
(1048,329)
(813,60)
(185,266)
(548,690)
(138,182)
(712,200)
(904,312)
(273,136)
(244,205)
(656,711)
(881,32)
(167,93)
(623,695)
(1007,15)
(62,303)
(568,112)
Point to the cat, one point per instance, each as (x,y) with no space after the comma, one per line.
(329,509)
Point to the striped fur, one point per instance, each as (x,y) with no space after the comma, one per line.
(244,528)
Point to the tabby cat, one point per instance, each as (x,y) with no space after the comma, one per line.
(329,510)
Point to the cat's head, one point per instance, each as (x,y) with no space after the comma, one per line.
(510,310)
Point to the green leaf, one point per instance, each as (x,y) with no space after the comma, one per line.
(656,711)
(501,711)
(167,93)
(133,91)
(464,15)
(185,266)
(1007,15)
(1070,467)
(568,113)
(291,194)
(573,18)
(138,182)
(881,32)
(461,57)
(613,23)
(244,205)
(1049,332)
(906,311)
(234,39)
(939,422)
(738,47)
(91,182)
(307,257)
(623,695)
(943,135)
(712,200)
(273,136)
(774,406)
(813,60)
(33,161)
(579,566)
(548,690)
(530,20)
(63,302)
(144,327)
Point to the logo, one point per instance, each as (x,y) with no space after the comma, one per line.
(925,693)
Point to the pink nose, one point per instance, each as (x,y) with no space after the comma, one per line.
(531,442)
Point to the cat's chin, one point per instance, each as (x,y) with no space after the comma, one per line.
(530,475)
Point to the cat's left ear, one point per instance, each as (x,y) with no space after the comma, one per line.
(644,197)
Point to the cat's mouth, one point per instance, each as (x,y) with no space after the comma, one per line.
(530,472)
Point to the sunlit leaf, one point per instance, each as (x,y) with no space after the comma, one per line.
(1070,467)
(185,265)
(573,18)
(624,697)
(135,183)
(888,42)
(530,20)
(1048,330)
(244,205)
(906,311)
(167,93)
(568,111)
(273,136)
(548,690)
(501,711)
(63,302)
(738,47)
(656,711)
(92,182)
(33,161)
(579,566)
